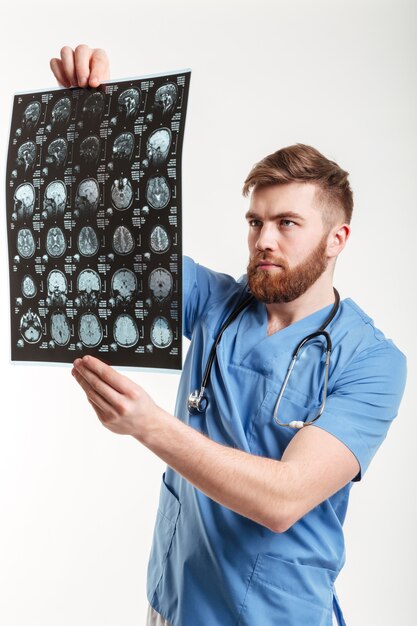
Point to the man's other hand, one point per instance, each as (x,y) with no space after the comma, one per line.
(82,67)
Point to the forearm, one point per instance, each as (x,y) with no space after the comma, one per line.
(314,466)
(264,490)
(255,487)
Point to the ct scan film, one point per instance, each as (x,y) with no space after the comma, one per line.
(93,198)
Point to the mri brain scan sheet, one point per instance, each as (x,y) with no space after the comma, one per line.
(94,219)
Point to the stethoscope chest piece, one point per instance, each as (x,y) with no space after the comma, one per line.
(197,402)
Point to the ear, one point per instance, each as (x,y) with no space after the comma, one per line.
(337,239)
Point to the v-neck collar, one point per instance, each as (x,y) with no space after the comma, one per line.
(254,346)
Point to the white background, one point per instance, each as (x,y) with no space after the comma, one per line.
(77,503)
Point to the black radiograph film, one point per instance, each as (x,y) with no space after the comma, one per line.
(93,200)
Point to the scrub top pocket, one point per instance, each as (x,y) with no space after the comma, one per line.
(288,594)
(267,438)
(165,525)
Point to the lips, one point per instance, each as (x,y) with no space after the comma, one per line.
(266,265)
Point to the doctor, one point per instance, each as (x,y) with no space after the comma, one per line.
(249,529)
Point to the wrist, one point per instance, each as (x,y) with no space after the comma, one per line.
(154,427)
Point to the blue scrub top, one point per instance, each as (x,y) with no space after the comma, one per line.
(210,566)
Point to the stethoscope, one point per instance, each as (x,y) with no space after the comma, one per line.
(197,401)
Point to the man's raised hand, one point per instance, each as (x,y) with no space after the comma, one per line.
(82,67)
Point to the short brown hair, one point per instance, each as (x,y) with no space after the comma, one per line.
(301,163)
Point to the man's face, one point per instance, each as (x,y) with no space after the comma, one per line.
(287,241)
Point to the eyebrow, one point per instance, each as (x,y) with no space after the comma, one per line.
(277,216)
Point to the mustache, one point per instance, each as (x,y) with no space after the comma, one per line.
(260,259)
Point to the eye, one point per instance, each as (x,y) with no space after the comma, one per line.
(254,223)
(287,223)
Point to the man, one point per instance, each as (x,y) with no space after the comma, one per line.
(249,525)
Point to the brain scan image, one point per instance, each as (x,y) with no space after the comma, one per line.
(55,242)
(90,149)
(24,201)
(94,105)
(123,241)
(121,193)
(123,287)
(157,192)
(89,289)
(31,115)
(88,241)
(26,155)
(60,328)
(161,333)
(129,101)
(87,197)
(125,331)
(31,327)
(93,212)
(28,285)
(61,111)
(57,288)
(158,145)
(55,199)
(57,152)
(166,97)
(160,283)
(123,146)
(25,243)
(90,330)
(159,240)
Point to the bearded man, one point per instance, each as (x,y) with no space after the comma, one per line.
(261,460)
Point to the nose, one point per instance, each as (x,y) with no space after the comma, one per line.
(267,239)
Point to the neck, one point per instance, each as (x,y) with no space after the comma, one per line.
(318,296)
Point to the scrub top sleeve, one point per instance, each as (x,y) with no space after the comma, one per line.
(202,288)
(189,284)
(365,400)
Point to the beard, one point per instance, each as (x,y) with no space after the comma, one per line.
(286,284)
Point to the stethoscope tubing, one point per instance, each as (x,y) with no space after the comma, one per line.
(198,401)
(225,325)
